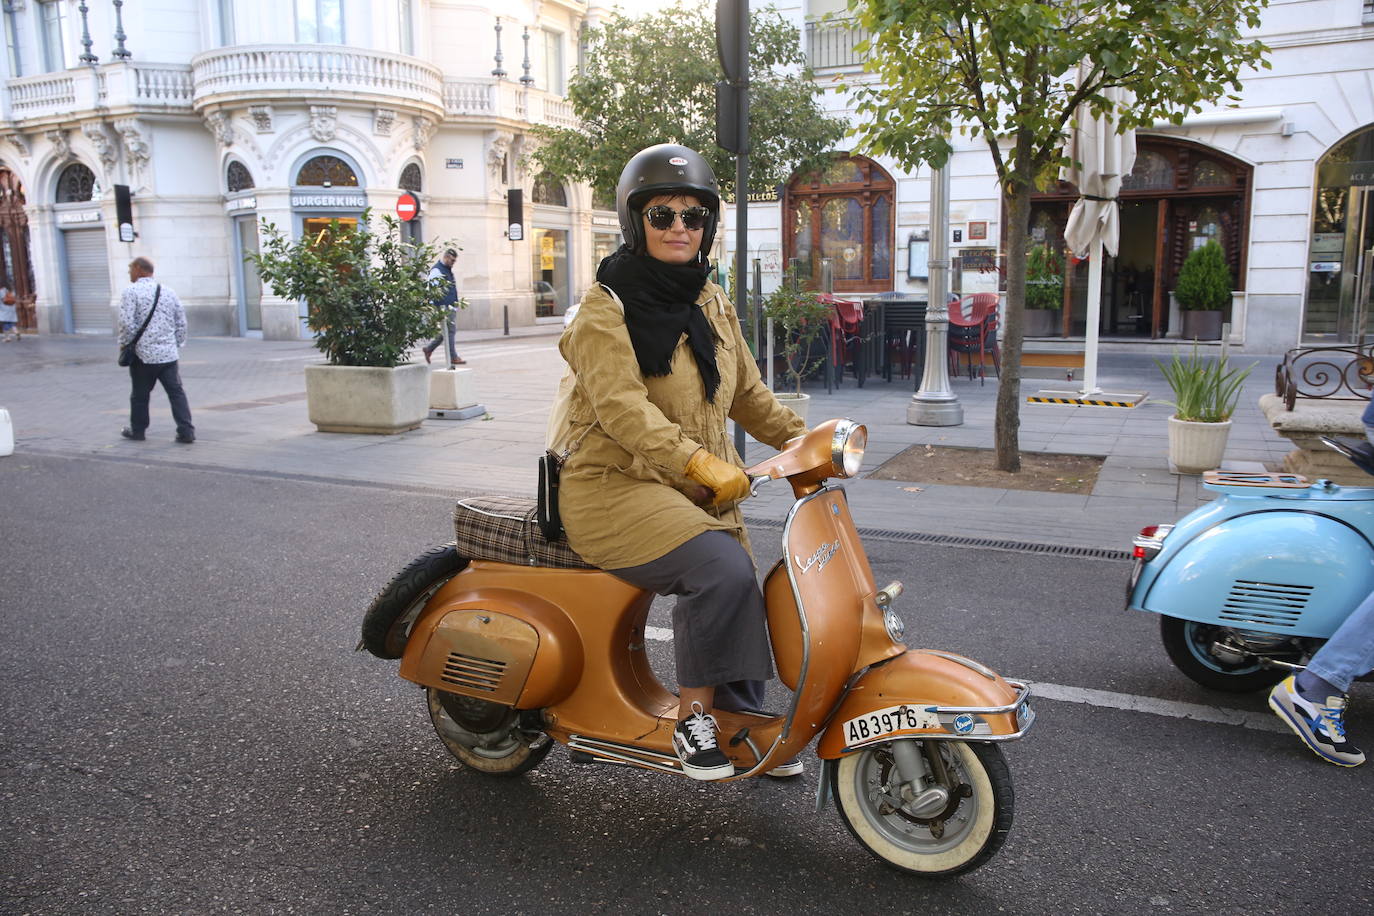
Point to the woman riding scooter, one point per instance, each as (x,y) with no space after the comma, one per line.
(649,489)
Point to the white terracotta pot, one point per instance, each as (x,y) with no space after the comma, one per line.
(798,403)
(1196,447)
(364,399)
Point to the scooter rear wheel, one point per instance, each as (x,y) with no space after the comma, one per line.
(484,735)
(966,833)
(1188,644)
(387,623)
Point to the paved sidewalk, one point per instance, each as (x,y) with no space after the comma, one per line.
(66,396)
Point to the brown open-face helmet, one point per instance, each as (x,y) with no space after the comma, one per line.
(666,168)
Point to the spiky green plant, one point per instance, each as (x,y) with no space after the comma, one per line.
(1205,390)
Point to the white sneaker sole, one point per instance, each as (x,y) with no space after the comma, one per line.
(707,773)
(786,770)
(1289,717)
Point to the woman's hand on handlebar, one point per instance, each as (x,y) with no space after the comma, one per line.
(726,482)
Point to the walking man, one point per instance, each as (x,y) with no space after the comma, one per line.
(448,301)
(146,300)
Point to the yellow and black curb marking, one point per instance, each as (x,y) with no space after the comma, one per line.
(1079,402)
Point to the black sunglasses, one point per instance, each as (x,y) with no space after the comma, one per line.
(661,217)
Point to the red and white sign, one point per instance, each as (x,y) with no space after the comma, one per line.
(407,207)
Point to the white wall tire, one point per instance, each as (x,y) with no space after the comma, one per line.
(968,835)
(485,736)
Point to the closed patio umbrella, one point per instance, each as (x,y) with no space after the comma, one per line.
(1102,157)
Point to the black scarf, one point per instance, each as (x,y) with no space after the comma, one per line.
(660,304)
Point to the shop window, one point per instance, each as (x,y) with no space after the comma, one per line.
(843,215)
(327,172)
(1342,238)
(410,178)
(1152,171)
(548,191)
(237,177)
(77,184)
(1208,174)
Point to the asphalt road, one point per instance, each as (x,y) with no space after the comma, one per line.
(187,729)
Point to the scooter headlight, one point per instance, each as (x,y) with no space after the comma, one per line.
(847,449)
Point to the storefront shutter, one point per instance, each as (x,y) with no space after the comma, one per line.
(88,281)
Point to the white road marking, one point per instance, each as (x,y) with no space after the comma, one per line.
(1262,721)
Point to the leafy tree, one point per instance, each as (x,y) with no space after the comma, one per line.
(652,79)
(1204,281)
(1008,71)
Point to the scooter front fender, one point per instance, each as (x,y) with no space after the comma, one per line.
(927,694)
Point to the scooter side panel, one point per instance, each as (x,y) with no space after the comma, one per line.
(923,680)
(1293,572)
(528,647)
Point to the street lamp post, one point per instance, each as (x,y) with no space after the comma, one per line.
(935,404)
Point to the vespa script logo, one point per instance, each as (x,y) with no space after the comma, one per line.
(819,558)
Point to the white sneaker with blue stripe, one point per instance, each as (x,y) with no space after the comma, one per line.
(1320,726)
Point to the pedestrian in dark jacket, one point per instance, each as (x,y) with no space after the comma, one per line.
(448,302)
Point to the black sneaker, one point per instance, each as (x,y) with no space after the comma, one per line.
(694,740)
(128,433)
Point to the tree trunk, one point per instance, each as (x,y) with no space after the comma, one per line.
(1008,416)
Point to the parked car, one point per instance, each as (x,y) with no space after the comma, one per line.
(545,299)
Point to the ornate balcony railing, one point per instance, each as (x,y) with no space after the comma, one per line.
(490,98)
(119,86)
(260,72)
(1324,372)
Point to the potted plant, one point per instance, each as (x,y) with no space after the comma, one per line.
(799,317)
(1204,291)
(1044,290)
(368,303)
(1205,396)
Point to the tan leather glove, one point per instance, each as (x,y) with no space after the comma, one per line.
(727,482)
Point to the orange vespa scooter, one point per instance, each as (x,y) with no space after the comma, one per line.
(519,644)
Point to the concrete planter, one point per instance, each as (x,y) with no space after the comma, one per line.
(363,399)
(1196,447)
(1204,324)
(798,403)
(1042,322)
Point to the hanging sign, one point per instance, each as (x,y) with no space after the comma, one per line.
(407,206)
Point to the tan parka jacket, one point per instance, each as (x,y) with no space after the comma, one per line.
(621,491)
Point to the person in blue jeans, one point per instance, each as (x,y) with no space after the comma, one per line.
(1313,702)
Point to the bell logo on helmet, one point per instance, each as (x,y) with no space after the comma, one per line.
(677,160)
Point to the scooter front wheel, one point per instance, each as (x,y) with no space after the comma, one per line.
(928,833)
(485,736)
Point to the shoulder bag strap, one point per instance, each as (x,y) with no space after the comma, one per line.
(156,296)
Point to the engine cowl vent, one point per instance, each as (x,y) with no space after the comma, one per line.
(482,674)
(1272,604)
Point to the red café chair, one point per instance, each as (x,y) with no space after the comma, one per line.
(973,330)
(846,322)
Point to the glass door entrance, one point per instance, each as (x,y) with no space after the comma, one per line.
(1338,265)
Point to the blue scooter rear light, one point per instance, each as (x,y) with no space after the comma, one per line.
(1150,541)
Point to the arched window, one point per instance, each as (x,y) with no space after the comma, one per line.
(76,184)
(410,178)
(1152,171)
(844,215)
(1342,232)
(548,191)
(326,172)
(237,177)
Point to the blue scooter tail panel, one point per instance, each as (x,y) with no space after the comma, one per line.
(1290,566)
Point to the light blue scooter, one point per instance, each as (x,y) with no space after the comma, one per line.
(1249,586)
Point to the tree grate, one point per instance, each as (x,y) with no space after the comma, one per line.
(952,540)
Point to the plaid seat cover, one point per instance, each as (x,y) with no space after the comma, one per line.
(502,528)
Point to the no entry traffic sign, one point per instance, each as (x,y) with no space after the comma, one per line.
(407,206)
